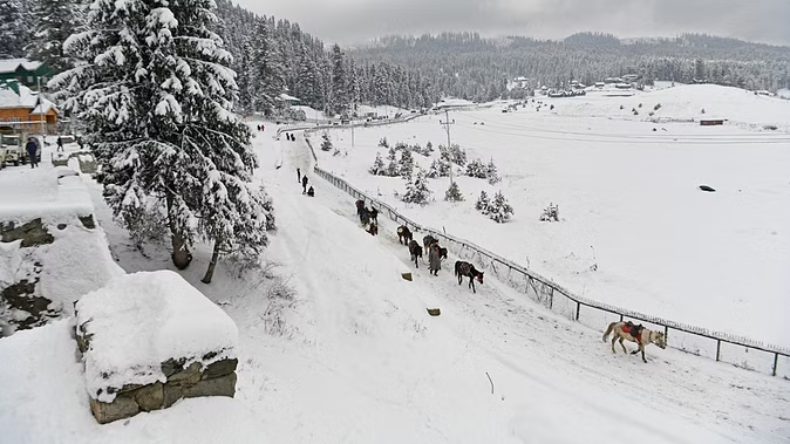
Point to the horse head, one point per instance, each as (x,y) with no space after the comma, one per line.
(480,277)
(659,339)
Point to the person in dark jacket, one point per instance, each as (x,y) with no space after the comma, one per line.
(298,175)
(434,260)
(32,155)
(311,192)
(60,143)
(304,184)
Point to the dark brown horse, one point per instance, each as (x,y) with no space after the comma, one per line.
(466,269)
(404,235)
(427,241)
(373,228)
(415,250)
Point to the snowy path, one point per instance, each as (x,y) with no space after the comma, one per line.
(397,375)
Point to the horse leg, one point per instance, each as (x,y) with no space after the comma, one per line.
(625,350)
(472,284)
(642,347)
(614,339)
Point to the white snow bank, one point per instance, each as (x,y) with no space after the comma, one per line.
(43,401)
(42,193)
(141,320)
(310,113)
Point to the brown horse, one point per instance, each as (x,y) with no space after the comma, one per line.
(427,241)
(644,336)
(466,269)
(404,235)
(416,251)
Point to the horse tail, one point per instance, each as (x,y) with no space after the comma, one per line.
(608,331)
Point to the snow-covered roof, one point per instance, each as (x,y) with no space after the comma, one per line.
(138,321)
(11,65)
(26,98)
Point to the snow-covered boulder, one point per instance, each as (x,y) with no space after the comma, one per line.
(150,339)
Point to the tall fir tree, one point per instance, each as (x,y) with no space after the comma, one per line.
(53,22)
(13,33)
(155,94)
(268,70)
(417,190)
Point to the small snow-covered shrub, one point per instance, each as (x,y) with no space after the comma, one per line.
(500,210)
(551,213)
(453,194)
(491,172)
(476,169)
(378,166)
(383,143)
(483,202)
(326,144)
(417,191)
(406,165)
(392,168)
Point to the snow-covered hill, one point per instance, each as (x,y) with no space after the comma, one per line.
(628,194)
(357,359)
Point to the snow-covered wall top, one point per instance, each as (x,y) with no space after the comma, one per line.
(55,195)
(141,320)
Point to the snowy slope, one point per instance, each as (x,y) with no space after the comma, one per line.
(361,361)
(629,200)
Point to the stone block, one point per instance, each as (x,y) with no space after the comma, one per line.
(220,368)
(88,222)
(189,375)
(221,386)
(150,397)
(32,233)
(108,412)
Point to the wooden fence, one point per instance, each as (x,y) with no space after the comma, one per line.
(737,350)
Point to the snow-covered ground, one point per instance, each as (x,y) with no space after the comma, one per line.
(355,357)
(628,197)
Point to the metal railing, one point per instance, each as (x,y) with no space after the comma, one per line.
(688,338)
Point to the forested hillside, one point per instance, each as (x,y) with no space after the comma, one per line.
(469,66)
(271,54)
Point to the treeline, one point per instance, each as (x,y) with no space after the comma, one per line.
(468,66)
(272,55)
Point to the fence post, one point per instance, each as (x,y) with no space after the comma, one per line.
(578,308)
(621,318)
(718,349)
(666,334)
(551,301)
(776,363)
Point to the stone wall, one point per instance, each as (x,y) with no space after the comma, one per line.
(182,381)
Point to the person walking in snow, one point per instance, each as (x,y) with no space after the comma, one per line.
(304,184)
(31,148)
(298,175)
(311,192)
(60,143)
(434,260)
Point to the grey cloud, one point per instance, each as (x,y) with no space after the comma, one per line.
(355,21)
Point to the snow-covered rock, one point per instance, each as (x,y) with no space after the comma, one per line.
(149,339)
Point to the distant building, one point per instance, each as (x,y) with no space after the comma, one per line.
(20,107)
(290,100)
(24,71)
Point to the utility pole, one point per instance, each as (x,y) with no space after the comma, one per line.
(41,112)
(446,124)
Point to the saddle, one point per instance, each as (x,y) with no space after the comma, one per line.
(634,330)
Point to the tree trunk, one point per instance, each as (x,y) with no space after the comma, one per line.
(211,265)
(180,256)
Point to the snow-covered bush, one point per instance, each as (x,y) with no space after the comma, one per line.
(406,164)
(438,168)
(492,173)
(483,202)
(417,191)
(392,167)
(428,150)
(453,194)
(383,143)
(476,169)
(551,213)
(499,210)
(297,115)
(378,166)
(326,143)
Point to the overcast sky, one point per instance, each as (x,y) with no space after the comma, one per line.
(357,21)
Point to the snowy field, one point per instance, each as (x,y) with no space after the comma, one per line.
(355,358)
(628,198)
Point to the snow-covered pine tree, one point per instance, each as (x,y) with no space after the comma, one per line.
(246,82)
(378,166)
(483,203)
(383,143)
(13,35)
(457,155)
(392,167)
(157,109)
(268,71)
(499,210)
(491,172)
(53,22)
(326,143)
(453,193)
(406,164)
(340,84)
(428,150)
(307,86)
(417,191)
(476,169)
